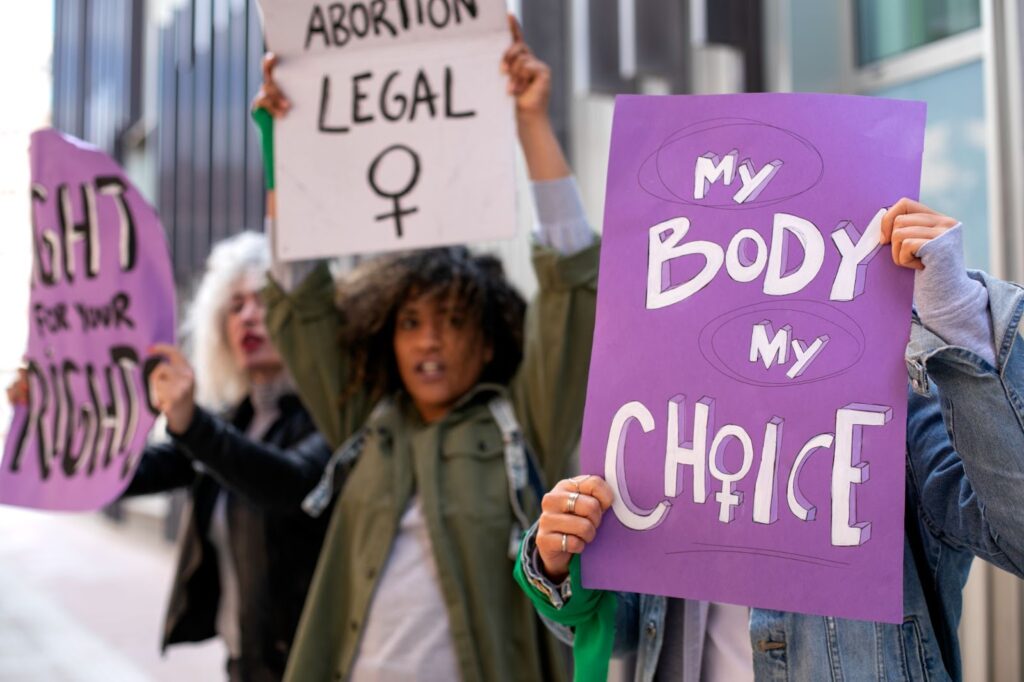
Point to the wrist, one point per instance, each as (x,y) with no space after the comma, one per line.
(180,419)
(556,573)
(533,120)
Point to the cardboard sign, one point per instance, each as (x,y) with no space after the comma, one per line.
(401,134)
(102,293)
(747,397)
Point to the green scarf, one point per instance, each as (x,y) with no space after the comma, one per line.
(591,614)
(265,124)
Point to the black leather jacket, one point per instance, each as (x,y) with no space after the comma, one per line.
(274,544)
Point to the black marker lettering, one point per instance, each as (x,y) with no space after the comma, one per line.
(449,88)
(358,96)
(443,21)
(317,25)
(39,404)
(40,273)
(379,8)
(404,9)
(422,93)
(362,26)
(337,12)
(470,6)
(115,187)
(87,231)
(402,100)
(69,461)
(395,196)
(325,95)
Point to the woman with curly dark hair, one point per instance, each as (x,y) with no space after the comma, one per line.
(437,387)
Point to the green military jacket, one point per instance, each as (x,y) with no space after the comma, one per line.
(455,465)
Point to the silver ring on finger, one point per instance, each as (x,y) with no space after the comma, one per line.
(565,543)
(570,505)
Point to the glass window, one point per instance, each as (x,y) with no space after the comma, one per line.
(886,28)
(954,177)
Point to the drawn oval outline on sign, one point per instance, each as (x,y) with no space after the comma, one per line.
(651,179)
(832,316)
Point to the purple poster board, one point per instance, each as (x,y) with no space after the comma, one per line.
(747,395)
(102,293)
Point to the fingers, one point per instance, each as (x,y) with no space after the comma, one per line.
(269,62)
(17,392)
(911,234)
(515,29)
(522,67)
(907,256)
(902,207)
(173,356)
(596,487)
(270,96)
(549,544)
(563,502)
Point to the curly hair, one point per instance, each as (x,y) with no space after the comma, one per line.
(370,297)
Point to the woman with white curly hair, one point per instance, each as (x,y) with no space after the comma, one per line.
(247,449)
(240,439)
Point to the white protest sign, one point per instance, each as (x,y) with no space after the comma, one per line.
(401,133)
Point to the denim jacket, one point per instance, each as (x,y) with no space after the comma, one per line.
(965,498)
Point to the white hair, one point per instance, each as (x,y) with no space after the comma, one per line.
(220,383)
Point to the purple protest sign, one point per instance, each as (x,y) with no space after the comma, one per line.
(747,395)
(102,293)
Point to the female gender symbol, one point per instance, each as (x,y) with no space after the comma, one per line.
(397,195)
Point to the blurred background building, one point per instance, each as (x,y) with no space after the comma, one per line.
(164,86)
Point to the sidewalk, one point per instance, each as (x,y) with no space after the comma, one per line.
(82,600)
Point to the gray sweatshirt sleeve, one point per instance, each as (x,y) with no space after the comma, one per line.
(287,274)
(951,304)
(561,223)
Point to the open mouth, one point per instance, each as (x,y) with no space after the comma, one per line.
(430,369)
(252,342)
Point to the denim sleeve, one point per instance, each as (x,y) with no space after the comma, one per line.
(627,615)
(965,435)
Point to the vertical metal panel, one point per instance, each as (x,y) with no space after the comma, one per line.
(96,69)
(221,119)
(603,48)
(202,122)
(185,213)
(663,41)
(254,207)
(69,57)
(210,176)
(237,113)
(739,23)
(545,27)
(166,129)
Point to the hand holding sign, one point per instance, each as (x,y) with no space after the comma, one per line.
(753,431)
(571,514)
(172,387)
(269,96)
(101,292)
(399,134)
(909,225)
(17,392)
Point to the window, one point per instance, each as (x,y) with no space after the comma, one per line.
(886,28)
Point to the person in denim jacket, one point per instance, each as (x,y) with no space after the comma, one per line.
(965,486)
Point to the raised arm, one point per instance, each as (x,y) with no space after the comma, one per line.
(965,429)
(161,468)
(550,387)
(302,320)
(265,474)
